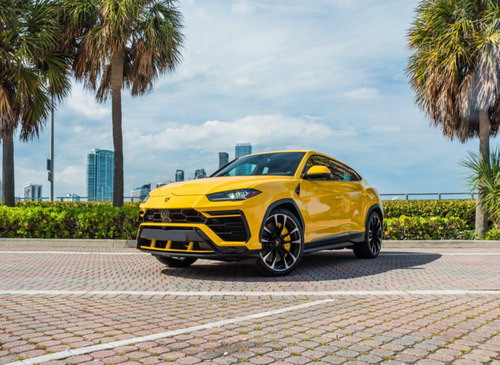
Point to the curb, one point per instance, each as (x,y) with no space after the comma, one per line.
(66,243)
(441,244)
(88,243)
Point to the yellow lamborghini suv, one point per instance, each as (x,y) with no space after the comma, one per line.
(273,207)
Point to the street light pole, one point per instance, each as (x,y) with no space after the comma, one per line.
(50,164)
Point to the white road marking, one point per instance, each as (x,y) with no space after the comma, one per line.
(252,293)
(156,336)
(440,253)
(145,253)
(73,253)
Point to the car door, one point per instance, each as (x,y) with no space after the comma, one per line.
(350,191)
(323,201)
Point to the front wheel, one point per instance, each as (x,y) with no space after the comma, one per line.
(176,261)
(282,244)
(370,247)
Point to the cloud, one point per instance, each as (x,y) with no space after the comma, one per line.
(364,93)
(278,74)
(263,131)
(83,103)
(73,177)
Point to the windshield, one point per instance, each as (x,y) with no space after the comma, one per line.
(281,163)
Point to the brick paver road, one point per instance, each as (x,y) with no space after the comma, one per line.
(424,306)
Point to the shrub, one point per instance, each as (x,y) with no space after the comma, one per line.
(69,220)
(420,228)
(492,234)
(416,219)
(465,209)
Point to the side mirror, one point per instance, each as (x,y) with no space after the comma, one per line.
(318,172)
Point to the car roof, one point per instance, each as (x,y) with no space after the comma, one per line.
(282,151)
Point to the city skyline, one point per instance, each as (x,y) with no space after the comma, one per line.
(103,156)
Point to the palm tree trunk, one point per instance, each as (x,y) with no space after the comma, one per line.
(484,154)
(116,105)
(8,188)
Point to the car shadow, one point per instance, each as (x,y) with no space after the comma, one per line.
(320,266)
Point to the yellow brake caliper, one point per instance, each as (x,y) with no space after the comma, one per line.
(288,240)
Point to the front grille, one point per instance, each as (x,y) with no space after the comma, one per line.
(174,216)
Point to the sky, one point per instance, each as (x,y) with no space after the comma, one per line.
(327,75)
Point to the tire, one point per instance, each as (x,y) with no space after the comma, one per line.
(371,246)
(282,241)
(176,261)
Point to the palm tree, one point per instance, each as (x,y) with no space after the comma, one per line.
(31,69)
(488,173)
(455,71)
(123,44)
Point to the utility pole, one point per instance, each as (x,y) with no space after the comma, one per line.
(50,161)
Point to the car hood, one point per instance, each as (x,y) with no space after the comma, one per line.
(214,185)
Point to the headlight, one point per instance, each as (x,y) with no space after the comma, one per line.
(233,195)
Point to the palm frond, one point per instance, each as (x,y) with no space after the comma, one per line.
(453,67)
(147,32)
(32,65)
(484,177)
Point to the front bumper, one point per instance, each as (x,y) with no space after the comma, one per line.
(218,230)
(187,242)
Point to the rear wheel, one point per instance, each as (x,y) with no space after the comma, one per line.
(282,244)
(370,247)
(176,261)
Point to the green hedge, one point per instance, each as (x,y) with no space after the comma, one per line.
(465,209)
(69,220)
(424,219)
(423,228)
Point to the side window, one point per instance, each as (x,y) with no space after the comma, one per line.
(343,172)
(321,161)
(340,172)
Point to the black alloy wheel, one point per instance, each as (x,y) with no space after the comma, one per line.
(371,246)
(282,243)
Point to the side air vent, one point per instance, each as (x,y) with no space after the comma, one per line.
(231,228)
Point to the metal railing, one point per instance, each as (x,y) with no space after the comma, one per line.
(400,196)
(429,196)
(77,199)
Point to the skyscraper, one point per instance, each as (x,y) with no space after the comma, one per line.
(140,193)
(100,167)
(200,174)
(223,158)
(179,175)
(33,192)
(243,149)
